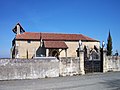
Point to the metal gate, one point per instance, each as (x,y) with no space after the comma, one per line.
(92,61)
(92,66)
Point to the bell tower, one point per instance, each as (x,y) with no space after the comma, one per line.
(18,29)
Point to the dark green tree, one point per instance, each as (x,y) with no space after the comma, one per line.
(27,54)
(109,45)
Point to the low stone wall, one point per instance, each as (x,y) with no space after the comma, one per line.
(28,69)
(113,63)
(69,66)
(38,68)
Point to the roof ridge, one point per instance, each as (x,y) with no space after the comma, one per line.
(89,37)
(55,33)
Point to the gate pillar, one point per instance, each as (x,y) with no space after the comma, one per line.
(105,63)
(81,58)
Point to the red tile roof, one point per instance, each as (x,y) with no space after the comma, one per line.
(28,36)
(53,37)
(55,44)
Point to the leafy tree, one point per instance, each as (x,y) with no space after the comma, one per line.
(109,45)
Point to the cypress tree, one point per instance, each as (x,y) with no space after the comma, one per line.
(109,45)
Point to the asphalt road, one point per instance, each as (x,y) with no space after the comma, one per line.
(99,81)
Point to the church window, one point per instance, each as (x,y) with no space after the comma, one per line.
(28,41)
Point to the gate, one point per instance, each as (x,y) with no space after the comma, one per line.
(92,66)
(92,61)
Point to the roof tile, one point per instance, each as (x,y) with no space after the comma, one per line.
(52,37)
(55,44)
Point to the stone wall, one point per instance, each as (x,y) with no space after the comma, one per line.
(28,69)
(69,66)
(113,63)
(41,67)
(44,67)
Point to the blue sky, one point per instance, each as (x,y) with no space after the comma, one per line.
(93,18)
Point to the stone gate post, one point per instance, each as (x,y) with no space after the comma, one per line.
(105,61)
(81,57)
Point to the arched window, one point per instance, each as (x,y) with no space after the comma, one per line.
(55,53)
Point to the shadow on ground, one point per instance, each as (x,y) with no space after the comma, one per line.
(112,84)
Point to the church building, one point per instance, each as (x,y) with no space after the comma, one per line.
(40,44)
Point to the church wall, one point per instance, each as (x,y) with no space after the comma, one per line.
(73,46)
(25,48)
(91,44)
(63,53)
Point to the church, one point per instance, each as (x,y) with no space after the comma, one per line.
(39,44)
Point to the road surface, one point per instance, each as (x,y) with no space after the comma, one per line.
(99,81)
